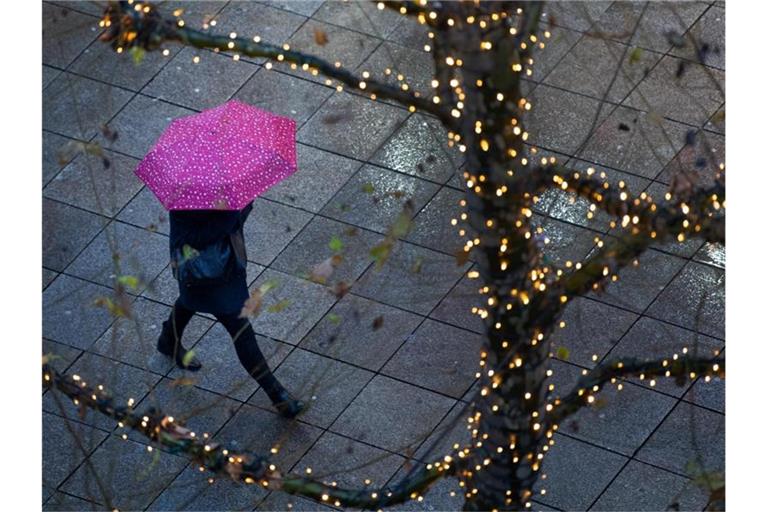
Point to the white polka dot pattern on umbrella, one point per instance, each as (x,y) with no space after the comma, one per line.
(221,158)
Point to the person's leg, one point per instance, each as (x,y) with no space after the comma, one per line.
(250,355)
(176,323)
(255,363)
(169,342)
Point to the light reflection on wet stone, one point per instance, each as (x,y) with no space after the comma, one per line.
(374,197)
(712,253)
(420,148)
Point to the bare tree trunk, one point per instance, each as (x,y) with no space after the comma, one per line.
(506,421)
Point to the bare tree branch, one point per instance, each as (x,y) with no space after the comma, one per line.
(681,368)
(127,27)
(241,466)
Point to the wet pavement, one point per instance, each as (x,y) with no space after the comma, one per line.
(387,368)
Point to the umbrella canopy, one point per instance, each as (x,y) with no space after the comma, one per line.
(221,158)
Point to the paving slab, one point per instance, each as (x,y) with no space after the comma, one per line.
(680,90)
(100,184)
(49,74)
(283,94)
(410,34)
(278,500)
(56,154)
(591,328)
(69,313)
(649,488)
(304,7)
(653,340)
(451,431)
(350,125)
(319,176)
(191,490)
(119,250)
(381,416)
(577,16)
(419,148)
(60,501)
(456,307)
(700,160)
(291,309)
(639,285)
(199,410)
(101,62)
(219,77)
(349,47)
(48,277)
(561,41)
(77,107)
(708,32)
(445,495)
(690,434)
(66,231)
(120,380)
(270,228)
(65,447)
(140,123)
(566,207)
(716,123)
(438,357)
(66,33)
(433,226)
(694,299)
(374,198)
(712,254)
(273,25)
(576,473)
(325,385)
(629,22)
(59,355)
(133,483)
(193,12)
(560,120)
(560,242)
(592,63)
(413,278)
(144,210)
(413,67)
(349,463)
(361,17)
(635,142)
(362,332)
(256,430)
(708,394)
(316,244)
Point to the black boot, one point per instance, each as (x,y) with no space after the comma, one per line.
(286,405)
(166,345)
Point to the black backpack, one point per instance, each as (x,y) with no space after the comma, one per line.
(212,265)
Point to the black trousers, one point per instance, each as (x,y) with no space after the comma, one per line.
(246,346)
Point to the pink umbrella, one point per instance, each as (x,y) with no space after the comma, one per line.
(221,158)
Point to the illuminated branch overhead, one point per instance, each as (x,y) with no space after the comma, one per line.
(252,469)
(132,25)
(679,368)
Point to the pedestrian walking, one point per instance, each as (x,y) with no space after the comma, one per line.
(206,169)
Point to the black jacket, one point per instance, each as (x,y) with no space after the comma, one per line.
(199,228)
